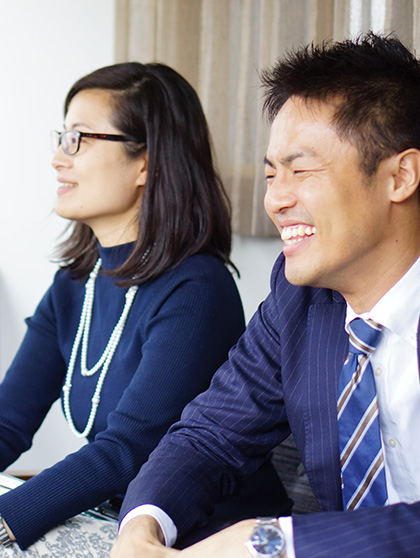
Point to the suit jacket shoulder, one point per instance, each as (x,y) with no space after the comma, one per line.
(309,325)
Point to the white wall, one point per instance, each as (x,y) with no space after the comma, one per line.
(254,257)
(46,45)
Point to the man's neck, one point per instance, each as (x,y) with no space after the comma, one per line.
(364,299)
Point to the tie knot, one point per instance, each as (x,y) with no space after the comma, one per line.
(364,335)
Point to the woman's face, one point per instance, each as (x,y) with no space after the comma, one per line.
(99,185)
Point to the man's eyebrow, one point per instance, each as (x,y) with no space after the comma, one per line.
(290,158)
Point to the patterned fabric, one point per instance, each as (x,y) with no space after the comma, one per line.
(82,535)
(361,454)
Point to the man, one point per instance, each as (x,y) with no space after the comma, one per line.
(342,169)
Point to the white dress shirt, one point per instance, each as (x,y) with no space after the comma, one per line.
(396,371)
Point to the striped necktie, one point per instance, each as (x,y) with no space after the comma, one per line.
(363,480)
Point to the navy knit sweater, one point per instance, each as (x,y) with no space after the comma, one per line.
(178,332)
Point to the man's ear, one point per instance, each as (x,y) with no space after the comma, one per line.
(406,174)
(142,169)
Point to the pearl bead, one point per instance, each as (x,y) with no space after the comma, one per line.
(82,336)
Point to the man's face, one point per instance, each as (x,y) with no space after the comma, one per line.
(332,219)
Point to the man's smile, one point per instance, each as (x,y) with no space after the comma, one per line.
(296,233)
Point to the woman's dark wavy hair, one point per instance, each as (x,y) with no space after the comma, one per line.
(373,82)
(185,209)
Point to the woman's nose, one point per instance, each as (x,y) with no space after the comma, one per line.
(60,159)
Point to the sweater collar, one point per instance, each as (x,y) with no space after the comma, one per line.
(114,256)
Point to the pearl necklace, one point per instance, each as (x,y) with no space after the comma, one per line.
(82,335)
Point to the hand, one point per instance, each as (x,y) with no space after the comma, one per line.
(9,532)
(141,537)
(228,543)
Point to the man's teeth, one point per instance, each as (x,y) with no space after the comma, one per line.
(296,233)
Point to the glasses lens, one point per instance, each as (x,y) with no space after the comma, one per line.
(55,140)
(70,141)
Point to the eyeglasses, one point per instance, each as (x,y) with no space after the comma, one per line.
(70,140)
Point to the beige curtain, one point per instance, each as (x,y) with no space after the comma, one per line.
(219,46)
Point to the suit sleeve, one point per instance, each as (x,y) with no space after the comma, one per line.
(223,436)
(390,531)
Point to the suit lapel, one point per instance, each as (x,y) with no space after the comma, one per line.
(327,346)
(326,349)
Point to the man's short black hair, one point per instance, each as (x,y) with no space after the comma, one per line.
(373,82)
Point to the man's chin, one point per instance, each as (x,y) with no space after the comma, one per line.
(299,278)
(296,279)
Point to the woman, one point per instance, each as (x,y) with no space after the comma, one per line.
(142,311)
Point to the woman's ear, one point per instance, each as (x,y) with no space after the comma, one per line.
(406,174)
(142,170)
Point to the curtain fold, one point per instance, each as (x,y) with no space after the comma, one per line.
(219,46)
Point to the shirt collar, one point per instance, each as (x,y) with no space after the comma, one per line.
(399,308)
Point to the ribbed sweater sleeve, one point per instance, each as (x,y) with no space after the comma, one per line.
(179,331)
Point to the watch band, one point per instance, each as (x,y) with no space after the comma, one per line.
(5,540)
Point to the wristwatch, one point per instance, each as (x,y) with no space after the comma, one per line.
(267,539)
(5,540)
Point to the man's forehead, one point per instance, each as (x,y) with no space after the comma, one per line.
(299,108)
(296,126)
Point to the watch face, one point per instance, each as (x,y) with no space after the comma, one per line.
(267,541)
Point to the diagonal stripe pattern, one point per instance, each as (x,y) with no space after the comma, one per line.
(363,480)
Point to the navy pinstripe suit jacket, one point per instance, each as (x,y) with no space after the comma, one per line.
(282,376)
